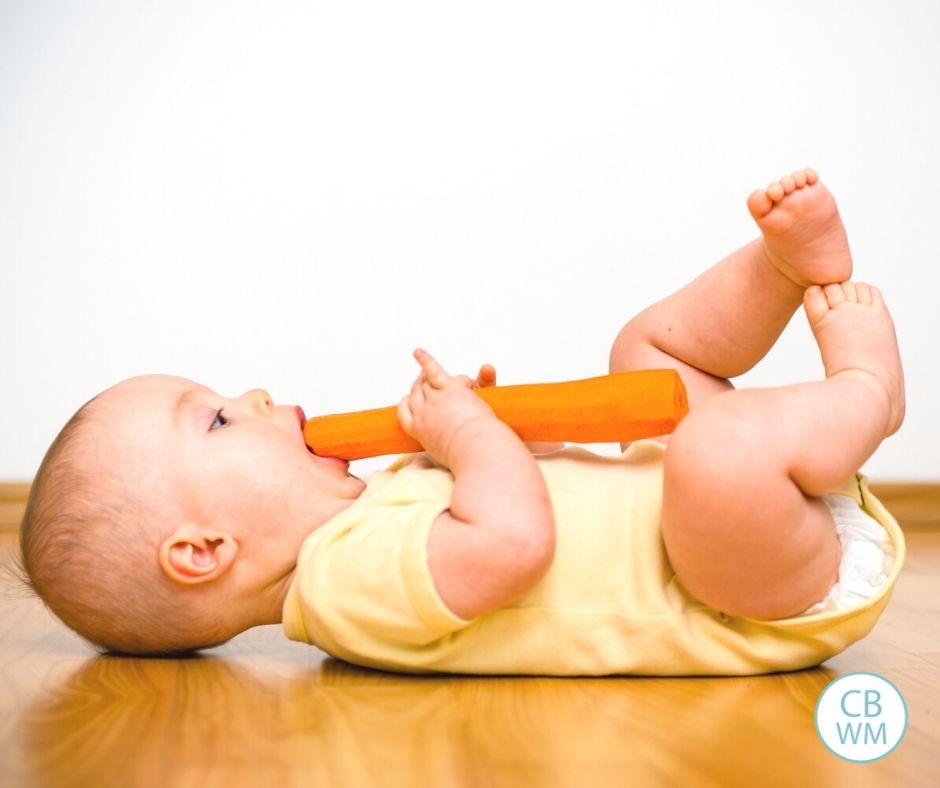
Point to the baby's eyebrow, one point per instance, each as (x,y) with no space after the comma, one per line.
(180,403)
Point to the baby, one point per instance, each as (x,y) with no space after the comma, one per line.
(166,518)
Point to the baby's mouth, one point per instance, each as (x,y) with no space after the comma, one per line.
(302,419)
(336,461)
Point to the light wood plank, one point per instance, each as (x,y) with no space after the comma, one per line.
(13,496)
(262,710)
(915,505)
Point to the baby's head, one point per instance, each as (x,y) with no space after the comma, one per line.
(165,518)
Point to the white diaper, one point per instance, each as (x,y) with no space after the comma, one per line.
(867,556)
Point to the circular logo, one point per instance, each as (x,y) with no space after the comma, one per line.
(861,717)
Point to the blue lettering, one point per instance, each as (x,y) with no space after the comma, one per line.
(856,731)
(850,731)
(881,734)
(845,711)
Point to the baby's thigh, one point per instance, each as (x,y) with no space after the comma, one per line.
(740,534)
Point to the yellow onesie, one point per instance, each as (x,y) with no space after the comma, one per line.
(609,604)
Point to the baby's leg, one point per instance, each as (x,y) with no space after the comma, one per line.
(722,323)
(743,526)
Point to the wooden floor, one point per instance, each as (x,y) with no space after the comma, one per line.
(264,711)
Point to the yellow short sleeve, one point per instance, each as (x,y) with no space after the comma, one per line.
(363,588)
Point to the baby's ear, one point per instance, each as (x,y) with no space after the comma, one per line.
(194,555)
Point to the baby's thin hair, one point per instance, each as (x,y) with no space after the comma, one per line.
(86,553)
(16,581)
(38,517)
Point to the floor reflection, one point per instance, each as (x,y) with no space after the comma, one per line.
(205,721)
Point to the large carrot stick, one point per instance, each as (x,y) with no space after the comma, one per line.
(622,406)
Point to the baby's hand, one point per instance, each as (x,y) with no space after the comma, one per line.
(487,377)
(440,406)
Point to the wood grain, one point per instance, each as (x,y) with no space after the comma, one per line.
(915,505)
(261,710)
(13,497)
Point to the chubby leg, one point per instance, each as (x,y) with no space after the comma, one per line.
(743,526)
(723,322)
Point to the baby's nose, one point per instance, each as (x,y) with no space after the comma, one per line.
(259,401)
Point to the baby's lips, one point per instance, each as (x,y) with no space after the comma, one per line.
(302,420)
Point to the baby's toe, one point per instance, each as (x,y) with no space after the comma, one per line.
(815,303)
(863,293)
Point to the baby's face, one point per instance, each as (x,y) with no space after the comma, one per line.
(240,464)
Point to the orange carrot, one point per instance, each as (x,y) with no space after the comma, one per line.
(622,406)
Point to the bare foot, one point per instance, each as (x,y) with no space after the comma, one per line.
(856,336)
(803,233)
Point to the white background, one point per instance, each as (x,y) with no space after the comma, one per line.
(295,194)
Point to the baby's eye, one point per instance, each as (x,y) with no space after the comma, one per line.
(219,421)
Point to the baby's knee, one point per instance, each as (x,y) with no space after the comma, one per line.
(716,444)
(631,348)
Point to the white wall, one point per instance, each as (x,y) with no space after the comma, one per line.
(295,194)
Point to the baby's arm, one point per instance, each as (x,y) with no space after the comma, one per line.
(497,539)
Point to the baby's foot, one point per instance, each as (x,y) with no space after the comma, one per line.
(803,233)
(855,334)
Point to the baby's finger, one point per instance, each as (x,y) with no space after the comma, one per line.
(433,371)
(418,386)
(486,376)
(463,380)
(405,417)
